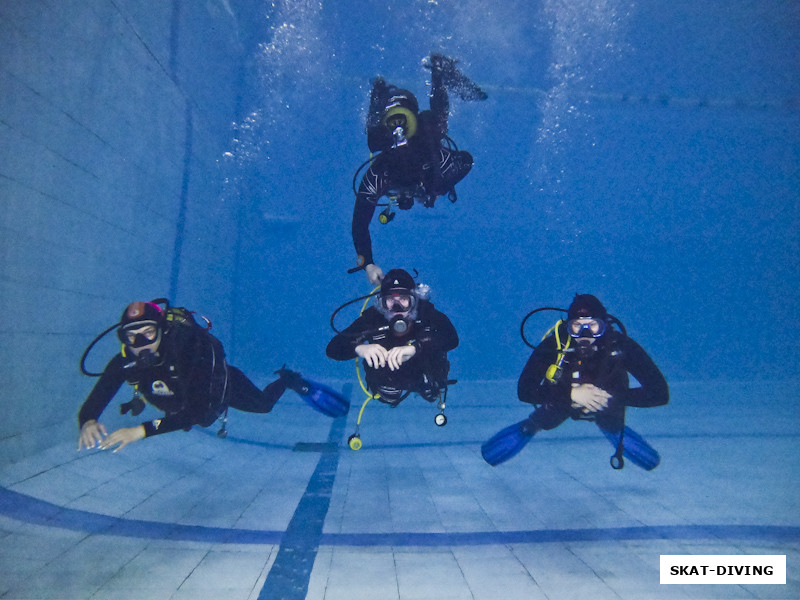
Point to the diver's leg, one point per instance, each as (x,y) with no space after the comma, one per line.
(454,79)
(377,102)
(433,377)
(544,418)
(456,166)
(244,395)
(508,442)
(453,167)
(390,388)
(439,100)
(635,447)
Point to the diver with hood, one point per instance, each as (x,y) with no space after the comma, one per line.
(417,161)
(403,342)
(176,365)
(581,370)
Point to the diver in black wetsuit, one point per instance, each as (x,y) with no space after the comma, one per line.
(403,341)
(178,368)
(413,163)
(590,381)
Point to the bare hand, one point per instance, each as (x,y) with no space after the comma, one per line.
(92,433)
(374,274)
(589,397)
(398,355)
(374,355)
(123,437)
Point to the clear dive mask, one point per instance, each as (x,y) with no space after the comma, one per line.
(399,307)
(139,335)
(586,327)
(143,340)
(398,302)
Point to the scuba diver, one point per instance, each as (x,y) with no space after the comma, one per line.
(416,160)
(403,341)
(176,365)
(581,370)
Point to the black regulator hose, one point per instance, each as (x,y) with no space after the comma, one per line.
(529,315)
(612,320)
(615,321)
(89,349)
(346,304)
(163,301)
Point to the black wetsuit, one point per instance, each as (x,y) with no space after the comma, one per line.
(423,164)
(617,356)
(425,373)
(191,383)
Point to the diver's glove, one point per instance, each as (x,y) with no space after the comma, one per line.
(589,398)
(374,355)
(292,380)
(374,274)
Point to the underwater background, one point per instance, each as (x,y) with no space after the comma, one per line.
(645,152)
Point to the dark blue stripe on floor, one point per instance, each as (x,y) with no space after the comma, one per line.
(39,512)
(27,509)
(290,573)
(539,536)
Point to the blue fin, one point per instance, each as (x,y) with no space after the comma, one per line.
(323,399)
(505,444)
(635,448)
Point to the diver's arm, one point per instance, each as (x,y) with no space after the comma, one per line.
(103,391)
(369,192)
(654,390)
(127,435)
(532,387)
(447,334)
(378,137)
(122,437)
(442,335)
(182,420)
(343,345)
(439,101)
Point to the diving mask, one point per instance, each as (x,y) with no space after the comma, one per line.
(398,302)
(142,338)
(399,307)
(586,327)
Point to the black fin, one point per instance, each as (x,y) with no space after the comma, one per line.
(454,80)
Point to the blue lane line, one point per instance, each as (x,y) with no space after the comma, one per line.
(539,536)
(39,512)
(290,573)
(373,446)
